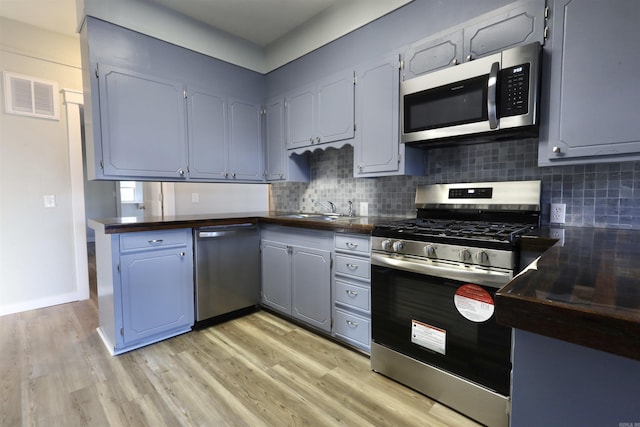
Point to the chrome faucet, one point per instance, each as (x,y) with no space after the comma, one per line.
(332,206)
(350,212)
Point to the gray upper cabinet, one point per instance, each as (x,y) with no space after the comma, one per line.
(155,111)
(320,113)
(377,148)
(142,122)
(591,106)
(207,124)
(434,53)
(512,25)
(245,141)
(279,166)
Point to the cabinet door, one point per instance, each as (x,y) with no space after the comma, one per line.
(276,276)
(433,54)
(275,149)
(157,292)
(311,278)
(592,108)
(300,114)
(377,143)
(335,115)
(515,24)
(143,125)
(207,124)
(245,140)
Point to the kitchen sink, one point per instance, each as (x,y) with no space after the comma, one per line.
(313,216)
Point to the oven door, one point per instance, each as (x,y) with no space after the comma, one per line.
(442,322)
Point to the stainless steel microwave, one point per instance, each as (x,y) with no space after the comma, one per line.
(487,97)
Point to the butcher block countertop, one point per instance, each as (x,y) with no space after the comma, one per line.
(348,224)
(584,289)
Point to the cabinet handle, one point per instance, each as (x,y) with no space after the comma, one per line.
(352,266)
(351,245)
(557,150)
(311,140)
(234,175)
(352,324)
(154,241)
(351,293)
(454,61)
(182,254)
(318,139)
(180,172)
(469,57)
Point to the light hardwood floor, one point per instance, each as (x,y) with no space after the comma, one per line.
(259,370)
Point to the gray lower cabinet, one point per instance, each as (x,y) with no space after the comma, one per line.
(296,274)
(377,149)
(145,287)
(351,290)
(590,107)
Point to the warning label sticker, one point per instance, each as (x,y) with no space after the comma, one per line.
(474,303)
(428,336)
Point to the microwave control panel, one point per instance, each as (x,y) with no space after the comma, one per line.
(514,90)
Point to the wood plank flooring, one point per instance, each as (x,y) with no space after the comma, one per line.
(259,370)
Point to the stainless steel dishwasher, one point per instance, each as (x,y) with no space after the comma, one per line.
(227,273)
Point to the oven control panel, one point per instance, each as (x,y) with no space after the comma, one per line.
(503,259)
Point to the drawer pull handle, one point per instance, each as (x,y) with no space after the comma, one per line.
(352,324)
(155,241)
(351,293)
(352,266)
(351,245)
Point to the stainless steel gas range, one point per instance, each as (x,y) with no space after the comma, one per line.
(433,281)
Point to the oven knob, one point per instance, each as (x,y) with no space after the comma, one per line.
(465,255)
(430,251)
(386,245)
(398,246)
(482,257)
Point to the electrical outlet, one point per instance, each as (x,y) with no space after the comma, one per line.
(195,197)
(558,212)
(364,209)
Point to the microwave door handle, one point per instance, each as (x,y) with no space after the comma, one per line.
(492,86)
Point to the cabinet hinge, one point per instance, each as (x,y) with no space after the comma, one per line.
(355,79)
(354,127)
(546,12)
(401,64)
(399,157)
(331,263)
(97,71)
(101,165)
(122,331)
(184,93)
(545,35)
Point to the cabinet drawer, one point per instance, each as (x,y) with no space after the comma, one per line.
(350,242)
(353,327)
(351,266)
(353,295)
(152,239)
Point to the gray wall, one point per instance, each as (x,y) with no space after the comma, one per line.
(602,195)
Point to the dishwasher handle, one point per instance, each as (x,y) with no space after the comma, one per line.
(224,230)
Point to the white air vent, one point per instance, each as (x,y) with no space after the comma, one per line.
(29,96)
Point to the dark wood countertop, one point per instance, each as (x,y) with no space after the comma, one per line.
(584,290)
(117,225)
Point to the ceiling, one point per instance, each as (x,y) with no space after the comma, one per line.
(258,21)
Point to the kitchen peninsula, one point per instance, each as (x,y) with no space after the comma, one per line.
(575,312)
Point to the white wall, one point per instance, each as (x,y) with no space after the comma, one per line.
(220,198)
(36,243)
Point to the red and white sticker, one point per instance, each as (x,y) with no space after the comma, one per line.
(474,303)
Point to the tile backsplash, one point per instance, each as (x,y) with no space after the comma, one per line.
(598,195)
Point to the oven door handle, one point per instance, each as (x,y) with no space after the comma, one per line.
(471,274)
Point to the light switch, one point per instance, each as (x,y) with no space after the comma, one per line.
(49,201)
